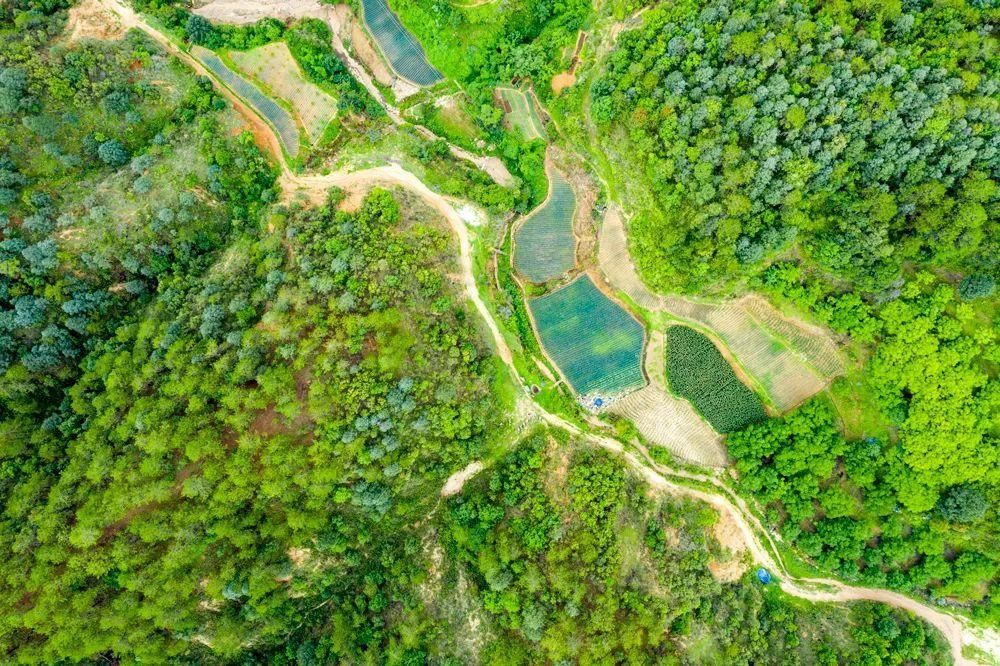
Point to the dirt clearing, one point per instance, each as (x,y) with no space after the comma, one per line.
(91,20)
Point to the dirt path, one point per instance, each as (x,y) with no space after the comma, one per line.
(958,631)
(456,481)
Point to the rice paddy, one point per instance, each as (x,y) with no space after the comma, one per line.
(275,67)
(398,45)
(522,114)
(595,343)
(544,244)
(697,371)
(280,119)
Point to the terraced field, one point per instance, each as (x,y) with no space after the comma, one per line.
(544,244)
(522,114)
(279,119)
(398,45)
(275,67)
(666,420)
(786,378)
(595,343)
(791,362)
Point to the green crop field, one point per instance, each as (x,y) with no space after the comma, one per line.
(274,66)
(595,343)
(280,119)
(399,46)
(544,245)
(523,115)
(696,370)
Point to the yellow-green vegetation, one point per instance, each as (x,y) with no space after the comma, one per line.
(275,68)
(521,113)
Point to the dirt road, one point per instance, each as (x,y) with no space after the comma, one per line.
(958,631)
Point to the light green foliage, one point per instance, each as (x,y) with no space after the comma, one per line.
(594,341)
(847,505)
(522,115)
(697,371)
(545,245)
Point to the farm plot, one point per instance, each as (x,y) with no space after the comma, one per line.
(816,348)
(521,113)
(616,264)
(672,423)
(280,119)
(275,67)
(786,378)
(696,370)
(595,343)
(398,45)
(544,244)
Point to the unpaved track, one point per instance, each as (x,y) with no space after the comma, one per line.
(956,630)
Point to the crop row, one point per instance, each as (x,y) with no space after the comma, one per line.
(397,43)
(595,343)
(280,119)
(696,370)
(545,247)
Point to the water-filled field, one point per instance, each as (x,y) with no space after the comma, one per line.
(522,114)
(398,45)
(274,65)
(280,119)
(544,245)
(696,370)
(595,343)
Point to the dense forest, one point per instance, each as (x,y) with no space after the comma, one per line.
(842,158)
(226,416)
(574,562)
(863,134)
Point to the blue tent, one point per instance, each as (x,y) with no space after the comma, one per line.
(763,575)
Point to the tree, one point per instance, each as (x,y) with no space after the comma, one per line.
(113,153)
(963,503)
(976,286)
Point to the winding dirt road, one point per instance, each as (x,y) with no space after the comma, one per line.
(958,631)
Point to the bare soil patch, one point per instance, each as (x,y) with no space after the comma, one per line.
(91,20)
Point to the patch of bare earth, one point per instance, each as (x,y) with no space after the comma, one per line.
(368,56)
(727,532)
(91,20)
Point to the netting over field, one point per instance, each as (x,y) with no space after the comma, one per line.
(280,119)
(398,45)
(545,247)
(595,343)
(274,65)
(522,114)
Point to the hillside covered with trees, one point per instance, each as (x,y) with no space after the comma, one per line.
(842,158)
